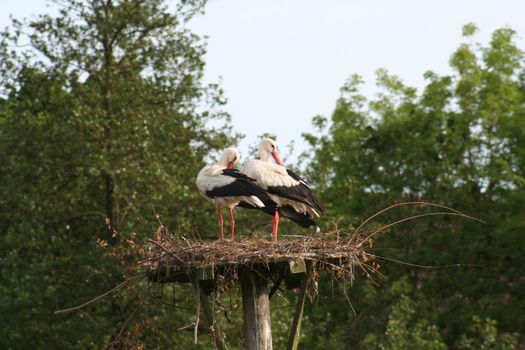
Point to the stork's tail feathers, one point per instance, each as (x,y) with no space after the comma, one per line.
(303,220)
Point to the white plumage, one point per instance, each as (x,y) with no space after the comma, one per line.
(211,177)
(270,175)
(224,186)
(283,186)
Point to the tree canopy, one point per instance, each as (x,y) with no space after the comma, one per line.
(103,115)
(460,143)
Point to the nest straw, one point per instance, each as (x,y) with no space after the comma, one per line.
(184,253)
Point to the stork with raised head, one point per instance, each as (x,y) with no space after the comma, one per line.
(225,186)
(293,196)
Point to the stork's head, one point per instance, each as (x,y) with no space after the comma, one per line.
(230,157)
(269,146)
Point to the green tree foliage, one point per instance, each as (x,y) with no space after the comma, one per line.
(405,331)
(483,334)
(103,115)
(461,143)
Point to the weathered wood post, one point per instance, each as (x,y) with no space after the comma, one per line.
(256,308)
(295,331)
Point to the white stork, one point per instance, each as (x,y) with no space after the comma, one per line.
(227,187)
(293,195)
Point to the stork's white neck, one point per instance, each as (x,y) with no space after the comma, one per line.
(223,161)
(263,155)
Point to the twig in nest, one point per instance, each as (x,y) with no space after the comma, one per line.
(125,325)
(276,286)
(100,296)
(88,316)
(424,266)
(413,203)
(195,282)
(343,288)
(164,249)
(382,228)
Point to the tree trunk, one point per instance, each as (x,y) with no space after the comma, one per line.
(107,93)
(110,206)
(256,310)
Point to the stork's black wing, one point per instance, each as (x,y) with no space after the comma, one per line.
(241,186)
(297,178)
(303,220)
(237,174)
(300,192)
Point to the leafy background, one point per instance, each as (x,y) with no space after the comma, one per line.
(104,115)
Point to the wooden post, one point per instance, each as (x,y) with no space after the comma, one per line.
(295,332)
(256,309)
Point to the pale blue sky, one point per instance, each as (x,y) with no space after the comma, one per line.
(282,62)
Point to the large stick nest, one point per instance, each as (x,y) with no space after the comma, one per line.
(340,254)
(186,253)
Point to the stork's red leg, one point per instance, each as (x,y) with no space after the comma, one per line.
(275,225)
(221,222)
(233,224)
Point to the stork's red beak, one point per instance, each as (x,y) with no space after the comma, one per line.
(276,158)
(230,165)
